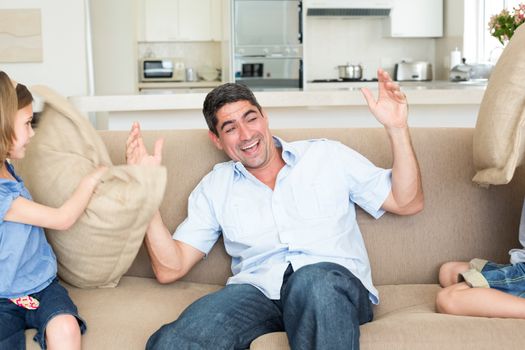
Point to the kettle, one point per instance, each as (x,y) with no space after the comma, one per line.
(460,72)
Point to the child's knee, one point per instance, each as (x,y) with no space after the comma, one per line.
(449,272)
(63,326)
(449,300)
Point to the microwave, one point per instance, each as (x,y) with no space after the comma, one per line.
(161,69)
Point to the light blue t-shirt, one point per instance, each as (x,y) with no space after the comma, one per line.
(27,263)
(308,218)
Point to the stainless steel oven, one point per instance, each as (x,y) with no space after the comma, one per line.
(269,72)
(267,43)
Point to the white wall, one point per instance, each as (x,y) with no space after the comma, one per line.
(453,36)
(64,66)
(114,28)
(330,42)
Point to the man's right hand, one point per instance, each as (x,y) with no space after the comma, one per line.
(136,153)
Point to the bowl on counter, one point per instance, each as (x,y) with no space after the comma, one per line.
(208,73)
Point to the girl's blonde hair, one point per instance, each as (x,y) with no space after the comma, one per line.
(8,109)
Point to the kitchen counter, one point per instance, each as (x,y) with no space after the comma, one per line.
(163,87)
(440,93)
(432,104)
(405,85)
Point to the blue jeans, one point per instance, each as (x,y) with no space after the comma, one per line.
(506,278)
(321,307)
(14,320)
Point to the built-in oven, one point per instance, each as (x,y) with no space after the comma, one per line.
(269,72)
(267,43)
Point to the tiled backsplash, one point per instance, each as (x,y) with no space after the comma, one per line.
(194,54)
(330,42)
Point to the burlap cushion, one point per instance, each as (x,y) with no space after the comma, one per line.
(499,135)
(100,247)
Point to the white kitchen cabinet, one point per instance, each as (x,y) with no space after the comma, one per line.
(161,20)
(182,20)
(216,19)
(415,19)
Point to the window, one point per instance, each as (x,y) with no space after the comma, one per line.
(478,44)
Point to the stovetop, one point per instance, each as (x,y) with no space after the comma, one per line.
(343,80)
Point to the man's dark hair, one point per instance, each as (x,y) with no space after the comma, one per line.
(222,95)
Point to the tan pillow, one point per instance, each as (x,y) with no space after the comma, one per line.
(499,135)
(100,247)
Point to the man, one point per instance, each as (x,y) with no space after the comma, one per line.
(286,213)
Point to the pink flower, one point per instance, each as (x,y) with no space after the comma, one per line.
(503,25)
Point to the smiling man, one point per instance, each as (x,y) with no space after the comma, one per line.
(286,212)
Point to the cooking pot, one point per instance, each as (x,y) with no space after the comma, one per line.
(350,71)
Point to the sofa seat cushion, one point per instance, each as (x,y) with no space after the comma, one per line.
(406,319)
(124,317)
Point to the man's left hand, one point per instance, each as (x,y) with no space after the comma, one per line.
(391,108)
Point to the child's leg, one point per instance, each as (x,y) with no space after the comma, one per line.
(63,332)
(460,299)
(56,320)
(12,326)
(449,272)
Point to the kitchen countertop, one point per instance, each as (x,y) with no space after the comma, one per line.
(178,84)
(406,85)
(418,93)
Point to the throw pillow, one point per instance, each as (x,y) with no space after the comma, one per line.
(499,142)
(100,247)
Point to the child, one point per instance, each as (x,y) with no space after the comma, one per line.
(483,288)
(30,295)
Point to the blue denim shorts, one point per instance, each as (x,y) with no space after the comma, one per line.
(507,278)
(14,320)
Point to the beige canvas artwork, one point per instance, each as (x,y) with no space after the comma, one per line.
(20,35)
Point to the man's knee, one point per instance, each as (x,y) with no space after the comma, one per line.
(317,281)
(168,338)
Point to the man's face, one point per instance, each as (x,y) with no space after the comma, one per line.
(244,134)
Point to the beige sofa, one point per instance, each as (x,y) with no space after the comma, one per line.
(460,221)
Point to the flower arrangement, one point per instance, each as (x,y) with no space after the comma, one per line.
(503,25)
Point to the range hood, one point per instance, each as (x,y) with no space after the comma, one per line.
(349,8)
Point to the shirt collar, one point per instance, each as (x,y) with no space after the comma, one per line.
(289,153)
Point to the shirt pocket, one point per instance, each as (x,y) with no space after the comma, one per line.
(252,219)
(319,200)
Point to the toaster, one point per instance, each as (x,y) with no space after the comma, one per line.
(413,71)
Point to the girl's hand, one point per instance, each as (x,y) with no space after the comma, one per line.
(94,177)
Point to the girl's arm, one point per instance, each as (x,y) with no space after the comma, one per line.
(28,212)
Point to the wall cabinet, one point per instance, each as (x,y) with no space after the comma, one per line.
(182,20)
(415,19)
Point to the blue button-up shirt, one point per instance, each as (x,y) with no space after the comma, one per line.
(27,263)
(308,218)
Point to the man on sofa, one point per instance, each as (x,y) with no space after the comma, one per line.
(286,212)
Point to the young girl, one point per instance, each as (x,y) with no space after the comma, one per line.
(30,295)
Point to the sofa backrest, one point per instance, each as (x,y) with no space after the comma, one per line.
(460,220)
